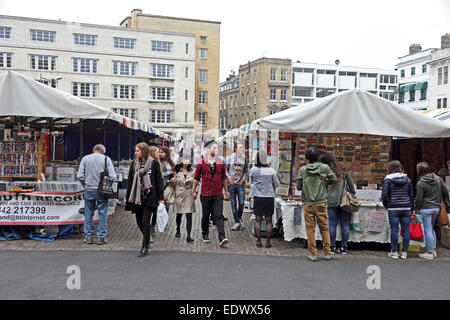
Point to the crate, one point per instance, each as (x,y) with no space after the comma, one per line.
(445,236)
(411,248)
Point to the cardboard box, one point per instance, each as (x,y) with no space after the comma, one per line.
(445,236)
(65,170)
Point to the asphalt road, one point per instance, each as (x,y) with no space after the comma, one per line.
(201,276)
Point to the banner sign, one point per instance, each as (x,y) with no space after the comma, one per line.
(42,208)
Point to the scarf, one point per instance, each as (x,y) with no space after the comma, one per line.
(140,173)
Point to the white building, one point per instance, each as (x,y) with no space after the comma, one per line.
(311,81)
(439,84)
(414,77)
(145,75)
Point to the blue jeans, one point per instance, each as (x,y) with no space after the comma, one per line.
(335,213)
(429,217)
(237,190)
(91,200)
(403,217)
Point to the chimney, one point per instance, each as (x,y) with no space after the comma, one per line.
(445,41)
(414,48)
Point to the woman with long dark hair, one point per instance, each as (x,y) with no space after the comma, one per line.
(167,165)
(398,199)
(264,181)
(335,192)
(184,203)
(145,191)
(430,189)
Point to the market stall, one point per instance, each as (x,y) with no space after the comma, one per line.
(361,130)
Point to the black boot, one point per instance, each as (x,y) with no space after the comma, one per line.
(178,234)
(189,239)
(143,252)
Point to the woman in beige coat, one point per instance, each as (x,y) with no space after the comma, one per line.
(184,204)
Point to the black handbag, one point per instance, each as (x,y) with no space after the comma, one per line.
(105,186)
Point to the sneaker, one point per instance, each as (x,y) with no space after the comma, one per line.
(242,226)
(426,255)
(223,242)
(393,255)
(101,241)
(236,226)
(151,240)
(403,254)
(214,227)
(206,239)
(435,254)
(327,257)
(312,258)
(88,240)
(225,218)
(343,250)
(333,249)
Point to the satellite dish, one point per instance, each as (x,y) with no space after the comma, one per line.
(337,62)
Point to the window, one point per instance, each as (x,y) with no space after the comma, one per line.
(185,117)
(161,94)
(161,116)
(248,98)
(248,118)
(187,48)
(6,60)
(203,53)
(235,101)
(85,39)
(444,102)
(438,103)
(402,73)
(424,68)
(5,32)
(38,62)
(50,83)
(242,100)
(202,97)
(273,94)
(83,89)
(254,97)
(254,76)
(423,94)
(401,97)
(84,65)
(273,74)
(392,79)
(439,76)
(283,75)
(231,101)
(283,95)
(130,113)
(44,36)
(124,68)
(162,71)
(243,80)
(186,95)
(202,75)
(186,72)
(124,43)
(412,95)
(445,75)
(248,78)
(201,118)
(124,91)
(413,71)
(202,38)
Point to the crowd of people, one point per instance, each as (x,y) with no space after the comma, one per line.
(322,182)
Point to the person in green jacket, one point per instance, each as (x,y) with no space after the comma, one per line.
(313,180)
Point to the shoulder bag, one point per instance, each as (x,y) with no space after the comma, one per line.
(105,186)
(349,202)
(443,216)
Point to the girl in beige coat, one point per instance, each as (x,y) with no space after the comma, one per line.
(184,204)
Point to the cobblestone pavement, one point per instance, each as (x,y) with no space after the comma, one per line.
(123,234)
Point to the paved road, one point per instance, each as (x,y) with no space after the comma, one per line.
(189,275)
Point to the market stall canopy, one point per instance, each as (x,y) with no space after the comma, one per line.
(439,114)
(354,112)
(23,96)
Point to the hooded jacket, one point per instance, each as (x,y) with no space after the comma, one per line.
(398,192)
(428,192)
(314,188)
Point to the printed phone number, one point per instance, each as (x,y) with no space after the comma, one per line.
(23,210)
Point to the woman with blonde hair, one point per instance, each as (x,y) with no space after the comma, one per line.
(145,191)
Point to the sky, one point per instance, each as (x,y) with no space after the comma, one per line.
(361,33)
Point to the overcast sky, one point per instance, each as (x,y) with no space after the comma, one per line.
(363,33)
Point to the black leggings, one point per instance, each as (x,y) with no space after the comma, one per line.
(188,222)
(143,217)
(258,227)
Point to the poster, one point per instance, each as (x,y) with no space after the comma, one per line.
(285,166)
(282,190)
(42,208)
(376,221)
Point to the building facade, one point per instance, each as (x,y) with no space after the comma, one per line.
(311,81)
(439,84)
(261,88)
(413,78)
(137,73)
(206,51)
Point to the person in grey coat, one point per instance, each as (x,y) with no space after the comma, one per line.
(335,193)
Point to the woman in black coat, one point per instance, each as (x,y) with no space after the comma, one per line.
(145,191)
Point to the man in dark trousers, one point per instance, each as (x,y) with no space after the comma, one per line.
(211,170)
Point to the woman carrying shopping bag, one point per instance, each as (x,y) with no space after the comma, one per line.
(398,199)
(335,212)
(184,203)
(145,191)
(428,202)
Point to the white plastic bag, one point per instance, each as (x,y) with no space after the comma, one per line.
(162,218)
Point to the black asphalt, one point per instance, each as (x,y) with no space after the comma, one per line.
(183,275)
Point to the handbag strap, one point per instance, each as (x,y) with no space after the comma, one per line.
(106,169)
(440,187)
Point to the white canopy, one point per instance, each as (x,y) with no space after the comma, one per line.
(354,112)
(23,96)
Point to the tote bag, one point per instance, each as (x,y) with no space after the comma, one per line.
(442,217)
(105,185)
(349,202)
